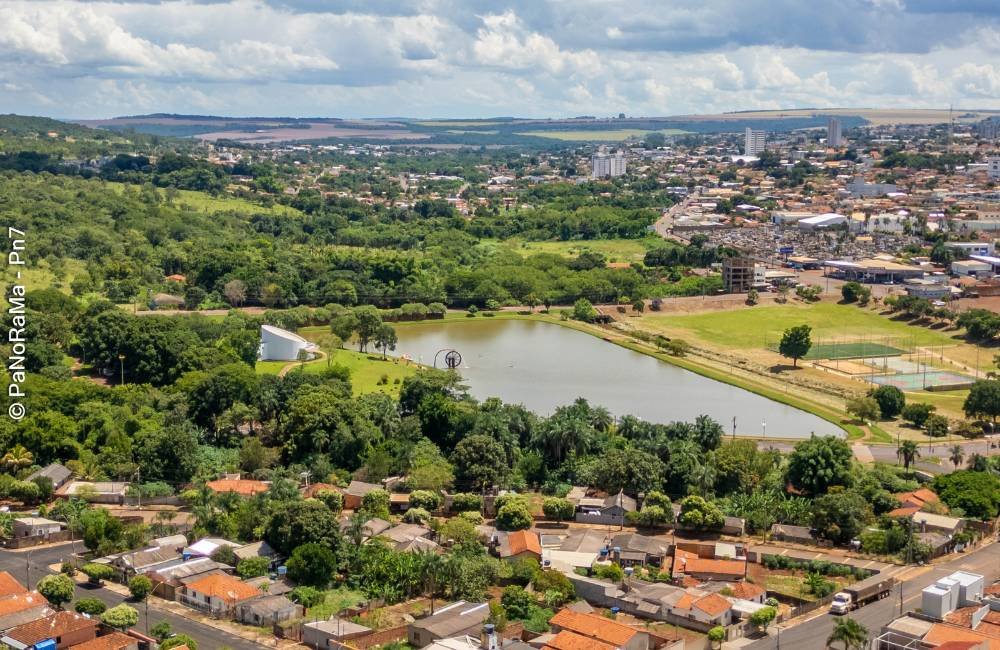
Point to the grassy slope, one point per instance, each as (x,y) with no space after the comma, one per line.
(203,202)
(616,250)
(747,328)
(366,369)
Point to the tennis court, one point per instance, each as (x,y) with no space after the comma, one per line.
(852,350)
(930,380)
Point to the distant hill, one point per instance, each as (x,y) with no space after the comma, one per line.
(27,126)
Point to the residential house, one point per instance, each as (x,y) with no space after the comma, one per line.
(371,528)
(926,522)
(608,510)
(111,492)
(256,549)
(915,501)
(169,579)
(113,641)
(267,610)
(701,606)
(217,594)
(451,620)
(566,640)
(792,534)
(355,492)
(328,634)
(144,560)
(689,564)
(35,527)
(418,545)
(271,587)
(206,546)
(63,629)
(635,549)
(55,472)
(519,544)
(9,585)
(600,628)
(22,607)
(405,533)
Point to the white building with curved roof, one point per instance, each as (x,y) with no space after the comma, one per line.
(277,344)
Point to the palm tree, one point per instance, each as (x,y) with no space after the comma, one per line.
(956,455)
(703,479)
(17,458)
(908,452)
(600,419)
(852,634)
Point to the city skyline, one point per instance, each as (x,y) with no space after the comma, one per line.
(437,58)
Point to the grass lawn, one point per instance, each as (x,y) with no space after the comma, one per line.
(204,202)
(366,369)
(336,601)
(600,135)
(44,276)
(758,326)
(616,250)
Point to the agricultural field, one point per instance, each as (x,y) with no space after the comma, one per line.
(598,135)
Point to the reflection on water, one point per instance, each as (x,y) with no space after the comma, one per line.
(543,366)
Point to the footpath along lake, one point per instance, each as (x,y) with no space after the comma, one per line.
(542,366)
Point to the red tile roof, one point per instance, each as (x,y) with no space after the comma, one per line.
(941,633)
(522,541)
(113,641)
(9,585)
(746,590)
(20,602)
(689,563)
(224,587)
(593,626)
(567,640)
(50,627)
(245,487)
(713,605)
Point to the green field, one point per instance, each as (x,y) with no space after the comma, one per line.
(616,250)
(851,350)
(758,326)
(598,135)
(202,202)
(366,369)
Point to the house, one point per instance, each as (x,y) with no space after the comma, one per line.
(241,486)
(355,492)
(418,545)
(608,510)
(170,578)
(144,560)
(55,472)
(747,591)
(451,620)
(277,587)
(405,533)
(267,610)
(256,549)
(95,491)
(113,641)
(519,544)
(704,607)
(205,547)
(926,522)
(918,498)
(9,585)
(22,607)
(567,640)
(635,549)
(792,534)
(35,527)
(217,594)
(325,634)
(689,564)
(166,300)
(600,629)
(64,629)
(371,528)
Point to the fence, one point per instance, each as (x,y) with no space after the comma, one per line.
(809,607)
(35,540)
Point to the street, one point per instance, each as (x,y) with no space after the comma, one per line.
(30,566)
(812,633)
(886,453)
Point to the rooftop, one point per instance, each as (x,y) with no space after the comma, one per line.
(113,641)
(49,627)
(224,587)
(594,626)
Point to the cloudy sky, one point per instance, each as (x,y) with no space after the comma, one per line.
(481,58)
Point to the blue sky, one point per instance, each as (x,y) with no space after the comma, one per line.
(479,58)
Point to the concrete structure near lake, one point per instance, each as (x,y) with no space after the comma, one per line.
(277,344)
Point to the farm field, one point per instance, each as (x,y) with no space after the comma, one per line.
(598,135)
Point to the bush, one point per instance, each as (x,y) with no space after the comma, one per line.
(97,572)
(416,516)
(334,500)
(556,582)
(558,509)
(307,596)
(517,602)
(611,572)
(464,502)
(514,516)
(429,501)
(917,414)
(472,517)
(179,640)
(140,587)
(91,606)
(120,617)
(253,567)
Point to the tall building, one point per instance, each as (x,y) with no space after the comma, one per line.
(989,129)
(834,133)
(605,165)
(753,142)
(993,167)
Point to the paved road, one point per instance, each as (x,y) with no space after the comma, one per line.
(887,453)
(32,566)
(813,632)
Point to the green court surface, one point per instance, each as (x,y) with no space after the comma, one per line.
(851,350)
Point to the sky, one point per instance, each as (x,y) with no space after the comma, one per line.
(485,58)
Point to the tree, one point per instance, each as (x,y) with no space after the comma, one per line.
(558,508)
(700,514)
(983,400)
(841,515)
(908,451)
(302,522)
(865,409)
(818,463)
(386,339)
(890,400)
(140,587)
(763,617)
(57,589)
(334,500)
(369,323)
(97,572)
(717,635)
(795,343)
(458,530)
(425,499)
(848,631)
(91,606)
(375,504)
(851,291)
(17,458)
(514,516)
(480,462)
(235,292)
(120,617)
(307,596)
(517,602)
(584,311)
(936,426)
(178,641)
(917,414)
(977,494)
(312,565)
(253,567)
(956,454)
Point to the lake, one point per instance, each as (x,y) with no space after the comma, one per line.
(542,366)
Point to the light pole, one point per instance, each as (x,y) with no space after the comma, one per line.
(121,364)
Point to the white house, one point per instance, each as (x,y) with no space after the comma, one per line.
(277,344)
(35,527)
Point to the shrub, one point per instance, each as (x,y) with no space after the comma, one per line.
(426,499)
(517,602)
(307,596)
(416,516)
(140,587)
(91,606)
(97,572)
(514,516)
(558,509)
(464,502)
(253,567)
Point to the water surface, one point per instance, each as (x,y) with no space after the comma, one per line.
(542,366)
